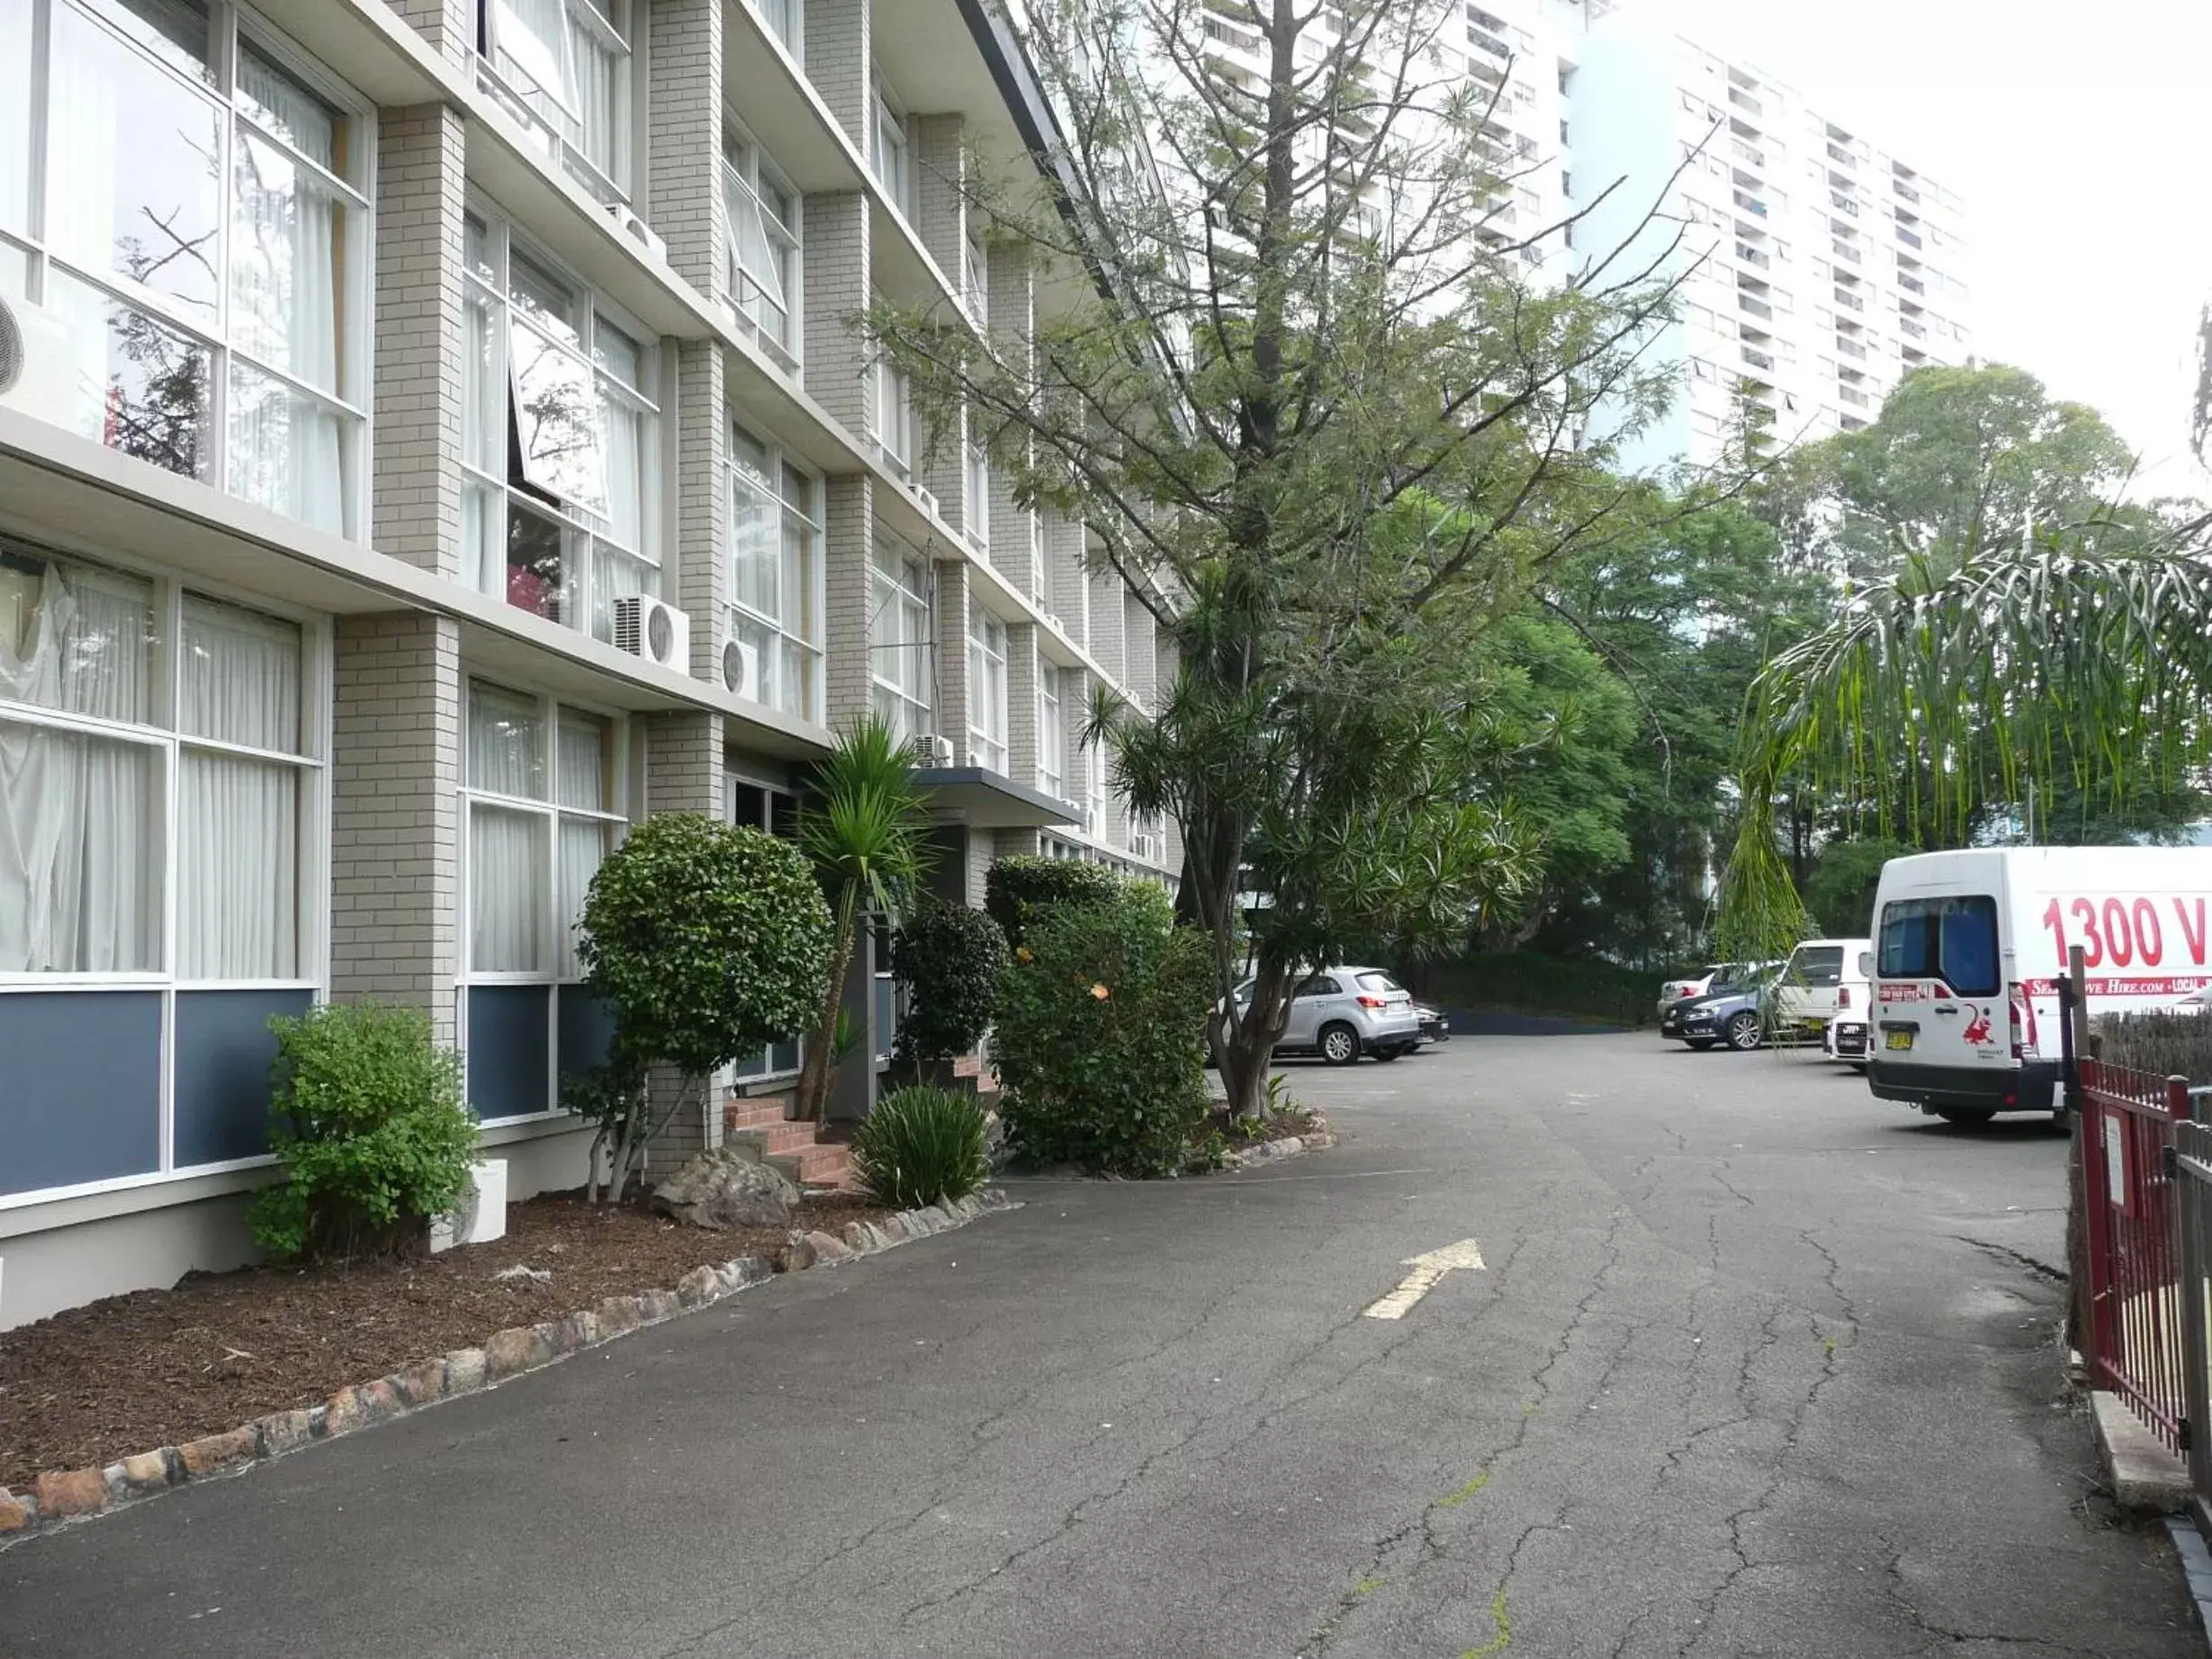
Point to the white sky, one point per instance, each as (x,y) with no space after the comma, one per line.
(2081,137)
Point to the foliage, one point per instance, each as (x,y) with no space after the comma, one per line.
(1839,892)
(949,958)
(1329,411)
(1101,1042)
(1531,984)
(366,1114)
(705,941)
(1016,888)
(921,1146)
(864,824)
(2164,1043)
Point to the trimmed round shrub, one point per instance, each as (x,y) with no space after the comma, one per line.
(1018,889)
(921,1146)
(1100,1036)
(949,958)
(366,1113)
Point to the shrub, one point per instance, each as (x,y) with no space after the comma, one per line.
(921,1146)
(2164,1043)
(949,958)
(365,1111)
(1017,890)
(1100,1043)
(706,941)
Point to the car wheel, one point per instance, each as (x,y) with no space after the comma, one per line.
(1963,1116)
(1699,1044)
(1340,1044)
(1743,1032)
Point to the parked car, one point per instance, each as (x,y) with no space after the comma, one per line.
(1846,1037)
(1343,1013)
(1806,996)
(1731,1011)
(1434,1028)
(1681,990)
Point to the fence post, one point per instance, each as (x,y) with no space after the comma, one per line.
(2071,1029)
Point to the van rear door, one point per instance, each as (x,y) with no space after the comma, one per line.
(1941,982)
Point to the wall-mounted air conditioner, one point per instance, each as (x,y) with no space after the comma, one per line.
(638,230)
(645,627)
(931,752)
(741,668)
(37,363)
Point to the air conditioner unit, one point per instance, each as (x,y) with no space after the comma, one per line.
(659,632)
(928,497)
(37,363)
(931,752)
(741,668)
(638,230)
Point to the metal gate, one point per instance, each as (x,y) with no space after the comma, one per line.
(2129,1163)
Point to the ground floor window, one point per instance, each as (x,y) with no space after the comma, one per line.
(162,827)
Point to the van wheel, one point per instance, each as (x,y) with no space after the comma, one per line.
(1962,1117)
(1743,1031)
(1340,1044)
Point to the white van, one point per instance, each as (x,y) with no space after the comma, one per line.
(1846,1039)
(1808,996)
(1969,946)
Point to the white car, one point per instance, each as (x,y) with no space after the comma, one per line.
(1682,990)
(1846,1038)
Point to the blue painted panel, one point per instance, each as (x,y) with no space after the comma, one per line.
(223,1051)
(508,1027)
(587,1030)
(80,1086)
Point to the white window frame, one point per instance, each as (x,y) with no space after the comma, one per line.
(786,21)
(975,277)
(350,399)
(901,592)
(489,501)
(162,733)
(986,691)
(893,415)
(750,179)
(891,146)
(782,640)
(975,519)
(545,111)
(1051,734)
(550,810)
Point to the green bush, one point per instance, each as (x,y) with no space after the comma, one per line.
(1100,1044)
(1531,983)
(2165,1043)
(921,1146)
(366,1112)
(1017,890)
(949,958)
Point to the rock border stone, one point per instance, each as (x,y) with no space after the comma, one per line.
(62,1497)
(1275,1152)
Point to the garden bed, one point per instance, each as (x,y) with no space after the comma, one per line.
(159,1367)
(1298,1121)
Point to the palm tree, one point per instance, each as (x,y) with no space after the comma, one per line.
(864,826)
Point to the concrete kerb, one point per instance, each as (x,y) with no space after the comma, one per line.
(2146,1479)
(61,1497)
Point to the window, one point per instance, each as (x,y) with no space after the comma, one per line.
(196,235)
(1094,790)
(977,475)
(899,643)
(1952,939)
(1817,965)
(564,67)
(783,19)
(986,691)
(765,806)
(541,805)
(890,154)
(776,573)
(895,421)
(975,279)
(1051,737)
(559,439)
(762,210)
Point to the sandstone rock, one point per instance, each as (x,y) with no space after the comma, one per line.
(658,1305)
(725,1188)
(698,1287)
(421,1382)
(283,1431)
(145,1472)
(15,1513)
(62,1493)
(799,1254)
(517,1349)
(857,1239)
(618,1314)
(828,1247)
(356,1408)
(212,1454)
(465,1370)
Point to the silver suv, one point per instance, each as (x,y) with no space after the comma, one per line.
(1343,1013)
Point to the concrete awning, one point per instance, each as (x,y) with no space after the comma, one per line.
(987,800)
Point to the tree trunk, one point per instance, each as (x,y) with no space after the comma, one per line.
(821,1055)
(1248,1047)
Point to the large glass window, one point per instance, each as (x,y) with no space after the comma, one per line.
(563,66)
(975,278)
(891,153)
(1051,738)
(899,641)
(978,493)
(895,421)
(559,443)
(1952,939)
(775,574)
(986,691)
(185,225)
(762,210)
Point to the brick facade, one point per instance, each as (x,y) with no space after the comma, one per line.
(684,137)
(415,511)
(848,543)
(838,367)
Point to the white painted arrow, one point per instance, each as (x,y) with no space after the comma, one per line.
(1428,1270)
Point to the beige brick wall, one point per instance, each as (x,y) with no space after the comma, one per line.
(448,26)
(941,188)
(395,771)
(698,549)
(836,290)
(840,54)
(1136,650)
(848,551)
(953,599)
(1106,626)
(1064,576)
(683,762)
(415,511)
(683,136)
(1021,702)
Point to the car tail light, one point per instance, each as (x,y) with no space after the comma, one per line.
(2015,1014)
(1367,1001)
(1843,997)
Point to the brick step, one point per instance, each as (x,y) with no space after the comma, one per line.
(756,1112)
(814,1166)
(777,1138)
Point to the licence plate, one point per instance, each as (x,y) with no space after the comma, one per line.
(1897,1039)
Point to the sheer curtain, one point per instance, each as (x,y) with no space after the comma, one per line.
(79,814)
(579,774)
(508,851)
(597,65)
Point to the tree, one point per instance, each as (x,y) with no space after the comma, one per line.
(1325,422)
(863,825)
(705,942)
(1841,891)
(948,959)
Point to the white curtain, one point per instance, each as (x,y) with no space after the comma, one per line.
(583,845)
(238,906)
(507,890)
(580,766)
(507,743)
(79,814)
(241,680)
(623,435)
(596,66)
(530,41)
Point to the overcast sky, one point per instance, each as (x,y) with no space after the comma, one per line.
(2081,137)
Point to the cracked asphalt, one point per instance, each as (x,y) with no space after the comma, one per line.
(1758,1365)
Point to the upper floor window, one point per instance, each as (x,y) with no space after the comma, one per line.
(783,18)
(184,224)
(898,638)
(977,490)
(986,691)
(559,443)
(894,420)
(762,280)
(1036,557)
(775,574)
(564,65)
(891,153)
(975,278)
(1051,738)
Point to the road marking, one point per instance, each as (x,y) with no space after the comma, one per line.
(1428,1272)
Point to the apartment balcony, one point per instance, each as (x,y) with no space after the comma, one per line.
(1844,250)
(1907,325)
(1761,361)
(1911,285)
(1750,204)
(1852,395)
(1849,301)
(1909,238)
(1836,152)
(1750,154)
(1850,347)
(1752,256)
(1488,43)
(1755,307)
(1907,191)
(1745,102)
(1842,204)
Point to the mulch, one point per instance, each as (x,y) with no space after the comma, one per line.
(158,1367)
(1273,1127)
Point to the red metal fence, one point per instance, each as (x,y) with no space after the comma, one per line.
(2128,1173)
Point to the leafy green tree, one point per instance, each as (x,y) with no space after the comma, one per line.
(705,941)
(1325,419)
(948,959)
(864,824)
(1840,891)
